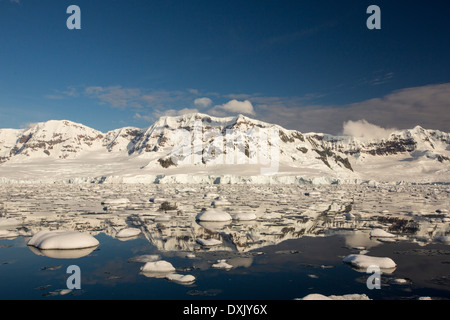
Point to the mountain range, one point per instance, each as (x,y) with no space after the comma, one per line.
(198,148)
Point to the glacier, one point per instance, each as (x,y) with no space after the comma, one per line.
(201,149)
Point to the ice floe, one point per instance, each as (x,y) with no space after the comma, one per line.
(380,233)
(209,242)
(222,264)
(362,261)
(244,216)
(128,233)
(187,279)
(213,215)
(158,266)
(62,240)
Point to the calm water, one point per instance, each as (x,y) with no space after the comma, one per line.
(293,248)
(289,270)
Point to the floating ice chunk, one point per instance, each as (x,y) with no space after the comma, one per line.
(60,240)
(380,233)
(128,233)
(244,216)
(162,218)
(220,203)
(315,296)
(6,234)
(318,296)
(115,201)
(180,278)
(190,256)
(213,215)
(209,242)
(222,264)
(363,262)
(158,266)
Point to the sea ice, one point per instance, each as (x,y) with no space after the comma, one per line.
(59,240)
(318,296)
(244,216)
(363,262)
(180,278)
(158,266)
(115,201)
(6,234)
(213,215)
(128,233)
(222,264)
(380,233)
(209,242)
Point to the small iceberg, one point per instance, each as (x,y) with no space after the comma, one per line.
(115,201)
(209,242)
(380,233)
(318,296)
(185,279)
(128,233)
(222,264)
(6,234)
(361,261)
(244,216)
(62,240)
(158,267)
(213,215)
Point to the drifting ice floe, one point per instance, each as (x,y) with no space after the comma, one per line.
(317,296)
(180,278)
(209,242)
(380,233)
(158,266)
(361,261)
(222,264)
(244,216)
(6,234)
(128,233)
(62,240)
(213,215)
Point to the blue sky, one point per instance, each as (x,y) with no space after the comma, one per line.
(307,65)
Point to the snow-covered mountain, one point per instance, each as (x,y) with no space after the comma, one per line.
(201,148)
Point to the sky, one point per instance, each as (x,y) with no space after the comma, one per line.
(312,66)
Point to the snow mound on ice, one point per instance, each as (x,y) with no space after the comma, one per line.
(158,266)
(62,240)
(128,232)
(213,215)
(244,216)
(115,201)
(180,278)
(6,234)
(222,264)
(380,233)
(318,296)
(209,242)
(363,262)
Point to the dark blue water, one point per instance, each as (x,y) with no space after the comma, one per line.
(292,269)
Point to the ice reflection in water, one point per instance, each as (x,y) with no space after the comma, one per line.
(166,216)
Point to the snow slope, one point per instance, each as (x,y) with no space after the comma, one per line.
(198,148)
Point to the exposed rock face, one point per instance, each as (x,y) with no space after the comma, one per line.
(203,140)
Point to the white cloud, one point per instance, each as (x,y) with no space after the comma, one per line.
(203,102)
(234,106)
(427,106)
(364,129)
(173,113)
